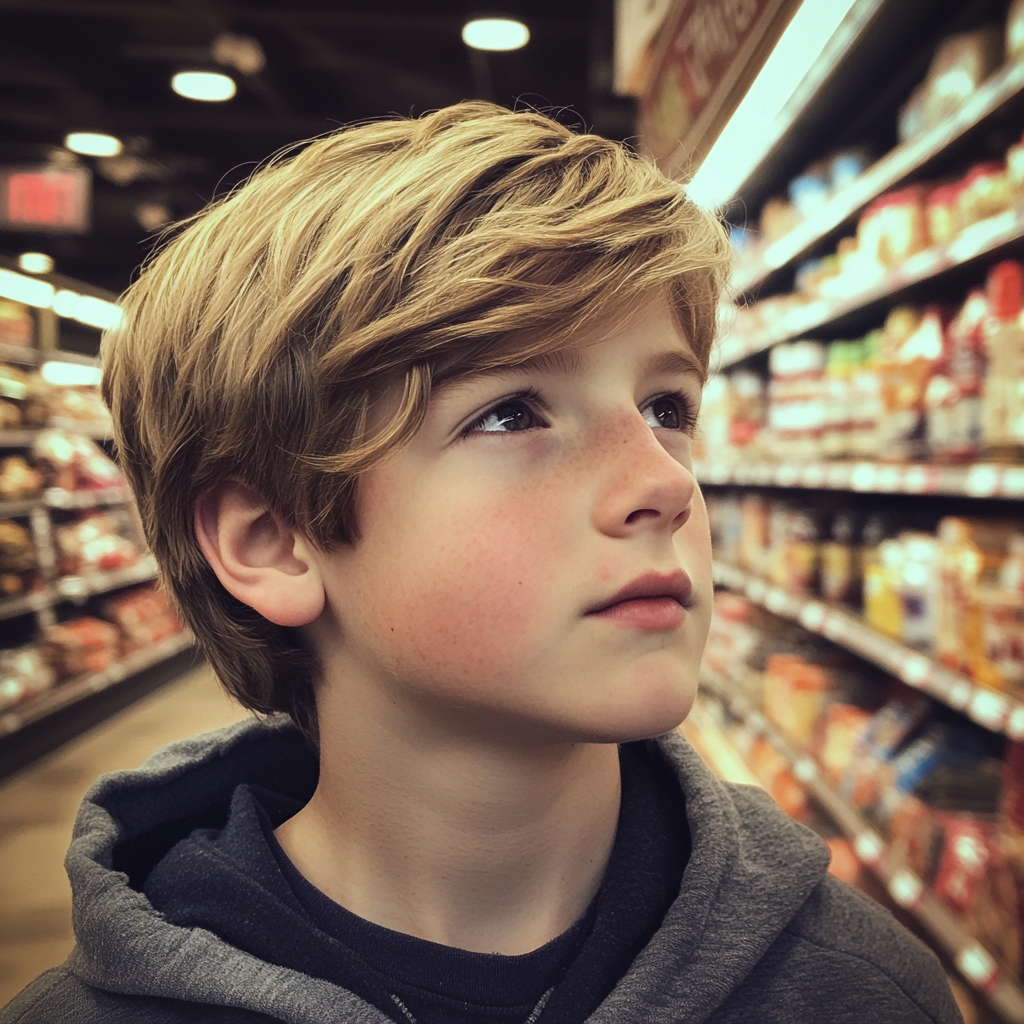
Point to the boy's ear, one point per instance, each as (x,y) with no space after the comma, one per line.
(257,557)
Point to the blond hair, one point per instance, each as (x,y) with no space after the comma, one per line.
(402,252)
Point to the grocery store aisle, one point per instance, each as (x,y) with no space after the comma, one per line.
(37,810)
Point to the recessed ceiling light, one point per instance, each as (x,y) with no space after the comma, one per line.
(495,34)
(92,144)
(209,86)
(35,262)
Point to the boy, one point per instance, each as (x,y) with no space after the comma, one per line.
(408,419)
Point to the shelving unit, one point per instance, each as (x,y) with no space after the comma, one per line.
(893,169)
(994,711)
(986,238)
(978,480)
(974,962)
(850,102)
(26,727)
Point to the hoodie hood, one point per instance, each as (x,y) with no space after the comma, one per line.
(750,872)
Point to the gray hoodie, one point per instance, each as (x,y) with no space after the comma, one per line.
(760,932)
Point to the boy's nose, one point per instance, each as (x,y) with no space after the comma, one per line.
(643,486)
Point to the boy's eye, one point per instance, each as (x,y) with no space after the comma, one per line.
(670,412)
(508,417)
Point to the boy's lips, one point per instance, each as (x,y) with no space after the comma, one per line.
(652,601)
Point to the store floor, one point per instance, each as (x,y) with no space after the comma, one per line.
(37,810)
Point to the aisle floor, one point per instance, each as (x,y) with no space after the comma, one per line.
(37,811)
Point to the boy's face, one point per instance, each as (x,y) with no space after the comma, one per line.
(495,549)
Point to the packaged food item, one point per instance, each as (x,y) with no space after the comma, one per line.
(942,211)
(78,406)
(972,552)
(95,543)
(842,729)
(778,218)
(845,864)
(883,570)
(810,191)
(915,835)
(960,65)
(82,645)
(16,325)
(18,480)
(74,463)
(912,346)
(774,773)
(984,192)
(755,549)
(797,413)
(1001,663)
(24,673)
(795,696)
(1003,399)
(18,559)
(846,166)
(894,227)
(143,617)
(918,588)
(841,569)
(953,394)
(975,879)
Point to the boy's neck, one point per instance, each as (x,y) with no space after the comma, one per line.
(494,848)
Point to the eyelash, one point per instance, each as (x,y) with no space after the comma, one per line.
(531,398)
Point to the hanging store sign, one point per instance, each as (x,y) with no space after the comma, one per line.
(45,198)
(704,59)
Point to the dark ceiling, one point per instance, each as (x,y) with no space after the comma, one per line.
(105,65)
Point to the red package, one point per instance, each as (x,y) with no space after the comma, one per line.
(82,645)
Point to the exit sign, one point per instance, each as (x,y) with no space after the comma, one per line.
(44,198)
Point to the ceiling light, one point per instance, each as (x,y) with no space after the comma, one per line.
(209,86)
(92,144)
(495,34)
(86,309)
(35,262)
(752,129)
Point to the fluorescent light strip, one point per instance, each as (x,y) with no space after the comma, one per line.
(86,309)
(750,131)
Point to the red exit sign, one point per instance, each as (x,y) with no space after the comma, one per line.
(44,199)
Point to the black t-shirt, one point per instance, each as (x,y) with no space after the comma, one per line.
(238,883)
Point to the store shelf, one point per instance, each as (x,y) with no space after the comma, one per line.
(25,355)
(979,239)
(12,607)
(978,480)
(56,497)
(65,694)
(891,170)
(20,508)
(19,438)
(78,588)
(992,710)
(906,888)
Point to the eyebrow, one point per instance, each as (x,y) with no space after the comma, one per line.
(677,360)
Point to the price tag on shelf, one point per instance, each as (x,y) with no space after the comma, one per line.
(982,481)
(838,476)
(864,476)
(1013,482)
(812,616)
(764,474)
(777,601)
(787,475)
(959,694)
(890,479)
(988,709)
(805,770)
(815,475)
(916,670)
(1015,723)
(906,888)
(919,480)
(976,964)
(869,848)
(743,472)
(756,590)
